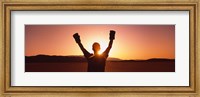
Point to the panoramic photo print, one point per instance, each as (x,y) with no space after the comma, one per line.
(99,48)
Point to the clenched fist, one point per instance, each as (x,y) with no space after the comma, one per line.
(77,38)
(112,34)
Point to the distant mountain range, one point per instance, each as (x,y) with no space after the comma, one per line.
(61,59)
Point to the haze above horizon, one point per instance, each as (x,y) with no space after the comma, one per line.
(131,42)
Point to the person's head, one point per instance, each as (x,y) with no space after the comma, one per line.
(96,47)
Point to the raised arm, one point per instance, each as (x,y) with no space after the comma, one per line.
(112,37)
(78,41)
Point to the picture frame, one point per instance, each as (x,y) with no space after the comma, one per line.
(47,5)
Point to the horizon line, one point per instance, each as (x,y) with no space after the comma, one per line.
(108,57)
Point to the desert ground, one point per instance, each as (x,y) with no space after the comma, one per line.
(136,66)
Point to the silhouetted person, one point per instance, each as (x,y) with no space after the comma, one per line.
(96,62)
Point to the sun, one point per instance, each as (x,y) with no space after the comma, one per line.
(99,53)
(103,46)
(101,40)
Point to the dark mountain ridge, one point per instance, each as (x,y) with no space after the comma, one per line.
(79,58)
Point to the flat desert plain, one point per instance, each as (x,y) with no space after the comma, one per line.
(111,66)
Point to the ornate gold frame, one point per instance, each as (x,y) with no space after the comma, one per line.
(8,5)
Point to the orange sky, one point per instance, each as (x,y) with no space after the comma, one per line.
(131,42)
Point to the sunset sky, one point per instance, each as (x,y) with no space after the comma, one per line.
(131,41)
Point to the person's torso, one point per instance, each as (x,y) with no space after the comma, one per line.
(96,63)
